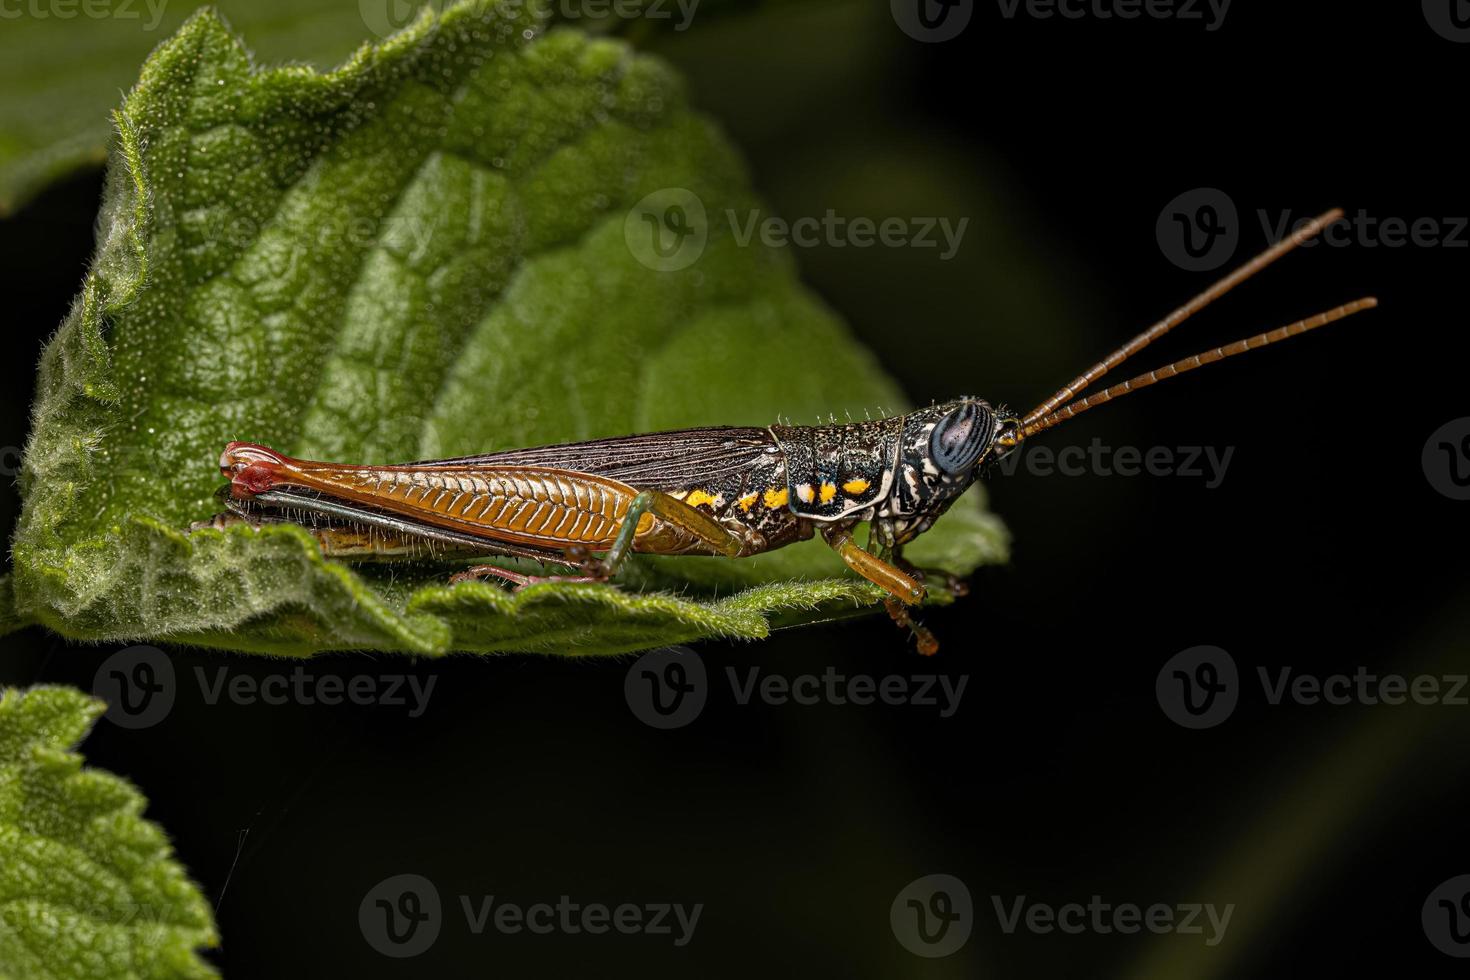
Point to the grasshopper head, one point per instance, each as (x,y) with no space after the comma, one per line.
(944,449)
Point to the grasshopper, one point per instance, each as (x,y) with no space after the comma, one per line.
(718,491)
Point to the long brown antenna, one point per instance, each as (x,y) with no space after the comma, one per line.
(1081,405)
(1240,275)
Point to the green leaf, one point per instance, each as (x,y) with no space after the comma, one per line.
(88,888)
(428,252)
(62,66)
(63,62)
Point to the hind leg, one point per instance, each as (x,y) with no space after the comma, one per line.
(666,508)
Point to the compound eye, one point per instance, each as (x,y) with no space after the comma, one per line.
(960,438)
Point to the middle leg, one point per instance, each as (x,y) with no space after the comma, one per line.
(904,589)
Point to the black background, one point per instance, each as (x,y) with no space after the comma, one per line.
(1325,548)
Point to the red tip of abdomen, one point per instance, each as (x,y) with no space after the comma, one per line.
(252,468)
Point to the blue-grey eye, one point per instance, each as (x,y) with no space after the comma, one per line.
(959,439)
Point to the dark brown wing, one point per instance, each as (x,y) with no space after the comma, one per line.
(672,460)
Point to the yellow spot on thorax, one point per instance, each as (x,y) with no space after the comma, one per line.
(697,497)
(804,493)
(829,490)
(855,487)
(748,501)
(777,498)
